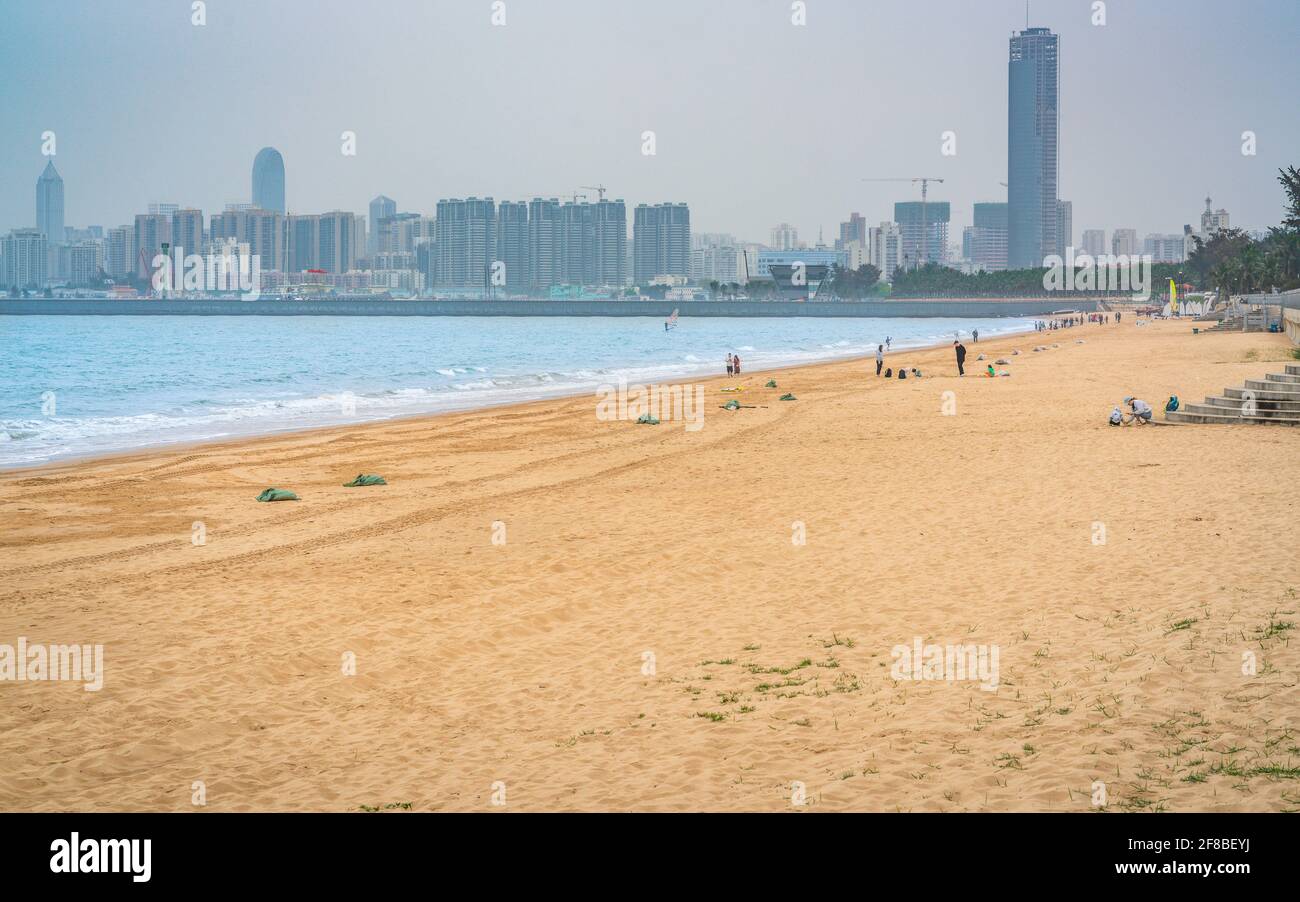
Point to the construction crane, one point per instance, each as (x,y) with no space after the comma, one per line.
(599,189)
(925,222)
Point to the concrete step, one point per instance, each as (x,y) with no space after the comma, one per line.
(1293,369)
(1266,385)
(1237,404)
(1208,419)
(1283,377)
(1269,394)
(1258,412)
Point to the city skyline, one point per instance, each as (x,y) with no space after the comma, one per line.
(742,186)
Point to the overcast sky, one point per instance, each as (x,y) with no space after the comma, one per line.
(756,120)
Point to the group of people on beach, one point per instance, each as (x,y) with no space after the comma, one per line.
(1070,321)
(733,364)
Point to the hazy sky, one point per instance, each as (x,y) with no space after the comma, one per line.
(757,120)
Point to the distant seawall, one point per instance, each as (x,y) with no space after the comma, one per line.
(659,309)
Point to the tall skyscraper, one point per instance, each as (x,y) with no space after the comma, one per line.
(1033,135)
(661,242)
(339,241)
(1124,242)
(268,180)
(908,215)
(49,205)
(380,208)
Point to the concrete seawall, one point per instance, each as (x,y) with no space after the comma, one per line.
(658,309)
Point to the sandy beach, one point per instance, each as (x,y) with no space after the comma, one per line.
(555,612)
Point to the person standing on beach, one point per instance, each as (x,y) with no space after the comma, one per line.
(975,334)
(731,367)
(880,358)
(736,363)
(887,341)
(961,357)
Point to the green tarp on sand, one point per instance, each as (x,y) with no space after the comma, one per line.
(365,479)
(274,494)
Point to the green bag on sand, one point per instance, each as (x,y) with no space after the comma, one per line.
(771,383)
(365,479)
(788,397)
(274,494)
(733,404)
(647,420)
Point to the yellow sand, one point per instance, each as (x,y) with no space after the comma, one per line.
(524,665)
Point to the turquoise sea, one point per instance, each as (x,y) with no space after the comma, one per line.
(75,386)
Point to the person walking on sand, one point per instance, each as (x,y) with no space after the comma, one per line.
(880,358)
(975,334)
(731,366)
(736,363)
(961,357)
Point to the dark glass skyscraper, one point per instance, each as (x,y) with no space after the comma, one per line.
(1033,133)
(268,180)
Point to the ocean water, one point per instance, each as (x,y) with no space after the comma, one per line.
(74,386)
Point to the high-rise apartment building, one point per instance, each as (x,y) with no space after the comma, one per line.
(661,242)
(187,230)
(1033,135)
(933,246)
(1094,242)
(1064,226)
(26,259)
(855,229)
(117,251)
(985,243)
(1124,242)
(381,208)
(785,237)
(885,249)
(512,247)
(152,231)
(1164,248)
(467,242)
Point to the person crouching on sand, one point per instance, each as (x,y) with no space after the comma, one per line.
(880,358)
(1142,412)
(961,357)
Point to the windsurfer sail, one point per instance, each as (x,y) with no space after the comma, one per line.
(671,322)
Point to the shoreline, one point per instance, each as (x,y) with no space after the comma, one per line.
(564,394)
